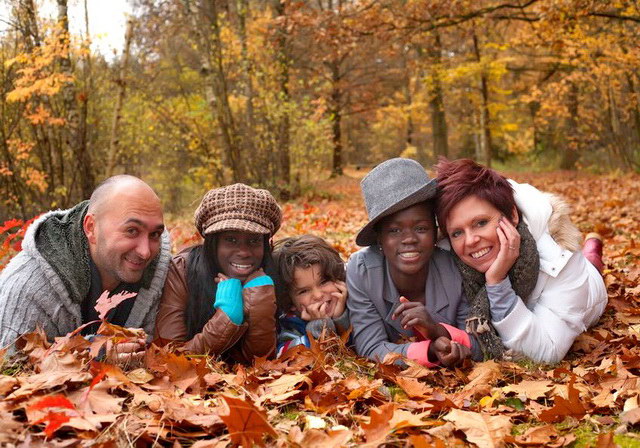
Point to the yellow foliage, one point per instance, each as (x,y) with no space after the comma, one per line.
(39,74)
(35,179)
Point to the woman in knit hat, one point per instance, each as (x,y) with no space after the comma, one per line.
(219,296)
(531,290)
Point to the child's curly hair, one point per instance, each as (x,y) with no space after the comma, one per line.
(303,251)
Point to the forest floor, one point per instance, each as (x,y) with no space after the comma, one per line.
(56,395)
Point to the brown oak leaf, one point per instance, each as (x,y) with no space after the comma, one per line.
(247,424)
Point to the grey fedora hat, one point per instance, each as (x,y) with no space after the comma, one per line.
(390,187)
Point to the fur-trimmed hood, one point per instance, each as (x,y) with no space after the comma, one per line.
(546,212)
(561,228)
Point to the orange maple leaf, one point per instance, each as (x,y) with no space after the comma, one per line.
(563,407)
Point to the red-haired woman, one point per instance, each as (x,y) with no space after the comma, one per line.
(531,290)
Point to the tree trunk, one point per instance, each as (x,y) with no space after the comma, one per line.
(206,26)
(28,24)
(283,59)
(336,119)
(534,107)
(114,143)
(486,145)
(570,155)
(410,137)
(73,131)
(249,128)
(25,14)
(436,104)
(633,149)
(87,81)
(12,181)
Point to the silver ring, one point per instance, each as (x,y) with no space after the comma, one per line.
(512,248)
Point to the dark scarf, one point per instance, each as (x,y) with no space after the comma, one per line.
(61,241)
(523,275)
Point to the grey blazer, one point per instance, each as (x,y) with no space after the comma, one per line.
(373,297)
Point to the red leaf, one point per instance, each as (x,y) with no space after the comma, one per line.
(55,419)
(10,224)
(52,401)
(106,303)
(96,380)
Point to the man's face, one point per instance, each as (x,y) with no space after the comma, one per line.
(124,235)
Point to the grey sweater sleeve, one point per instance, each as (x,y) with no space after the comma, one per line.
(502,299)
(342,322)
(24,289)
(369,335)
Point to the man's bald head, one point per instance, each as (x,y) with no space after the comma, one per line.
(111,187)
(124,226)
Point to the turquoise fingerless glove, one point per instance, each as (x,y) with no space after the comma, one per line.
(263,280)
(229,299)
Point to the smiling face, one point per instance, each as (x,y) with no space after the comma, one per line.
(311,286)
(472,225)
(124,235)
(239,253)
(407,239)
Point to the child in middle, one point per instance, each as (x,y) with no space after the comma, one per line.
(312,294)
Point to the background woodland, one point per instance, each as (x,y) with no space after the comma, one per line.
(284,95)
(277,93)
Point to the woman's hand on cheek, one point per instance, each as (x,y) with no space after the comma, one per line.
(508,254)
(341,298)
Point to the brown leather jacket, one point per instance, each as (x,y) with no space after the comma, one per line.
(255,337)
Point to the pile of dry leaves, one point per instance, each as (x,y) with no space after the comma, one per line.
(58,395)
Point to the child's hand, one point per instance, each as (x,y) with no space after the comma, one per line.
(314,311)
(415,314)
(448,352)
(341,298)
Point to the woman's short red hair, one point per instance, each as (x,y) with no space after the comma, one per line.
(458,179)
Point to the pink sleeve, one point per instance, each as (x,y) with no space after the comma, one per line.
(458,335)
(419,352)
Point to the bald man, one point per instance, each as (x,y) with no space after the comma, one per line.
(115,241)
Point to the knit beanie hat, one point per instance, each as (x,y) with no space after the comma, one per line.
(238,207)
